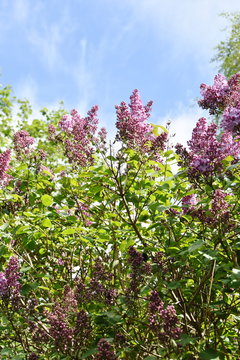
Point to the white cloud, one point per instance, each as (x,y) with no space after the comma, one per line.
(28,89)
(83,78)
(193,26)
(47,42)
(182,122)
(48,36)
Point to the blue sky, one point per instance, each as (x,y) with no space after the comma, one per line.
(88,52)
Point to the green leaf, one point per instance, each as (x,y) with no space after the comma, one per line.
(69,232)
(42,251)
(46,223)
(47,200)
(22,229)
(195,246)
(6,351)
(174,284)
(91,351)
(186,339)
(210,354)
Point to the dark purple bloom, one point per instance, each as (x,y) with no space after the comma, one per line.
(5,158)
(104,351)
(9,281)
(162,321)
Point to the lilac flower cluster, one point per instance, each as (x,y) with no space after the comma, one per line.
(60,329)
(220,207)
(80,136)
(83,329)
(69,328)
(206,152)
(104,351)
(223,97)
(133,128)
(98,288)
(219,211)
(38,333)
(139,269)
(189,203)
(162,321)
(231,119)
(214,96)
(5,158)
(9,281)
(161,261)
(22,141)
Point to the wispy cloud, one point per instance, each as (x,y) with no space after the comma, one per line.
(47,42)
(49,35)
(192,27)
(84,77)
(21,10)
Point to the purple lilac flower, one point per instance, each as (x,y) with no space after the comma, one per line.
(162,321)
(84,210)
(5,158)
(99,287)
(60,330)
(9,281)
(214,96)
(231,119)
(3,284)
(139,269)
(52,132)
(39,335)
(104,351)
(206,152)
(83,329)
(133,128)
(69,301)
(220,207)
(223,97)
(42,154)
(189,203)
(22,140)
(80,136)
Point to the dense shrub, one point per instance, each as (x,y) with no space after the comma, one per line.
(110,254)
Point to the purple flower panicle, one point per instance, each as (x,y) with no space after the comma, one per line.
(189,203)
(133,128)
(104,351)
(206,151)
(80,139)
(5,158)
(22,141)
(162,321)
(9,281)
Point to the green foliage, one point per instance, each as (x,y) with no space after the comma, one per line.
(228,51)
(94,244)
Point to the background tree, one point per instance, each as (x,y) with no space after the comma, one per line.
(228,51)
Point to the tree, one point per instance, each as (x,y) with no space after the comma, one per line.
(228,51)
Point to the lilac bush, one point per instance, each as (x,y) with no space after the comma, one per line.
(115,256)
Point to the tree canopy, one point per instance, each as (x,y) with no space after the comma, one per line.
(228,51)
